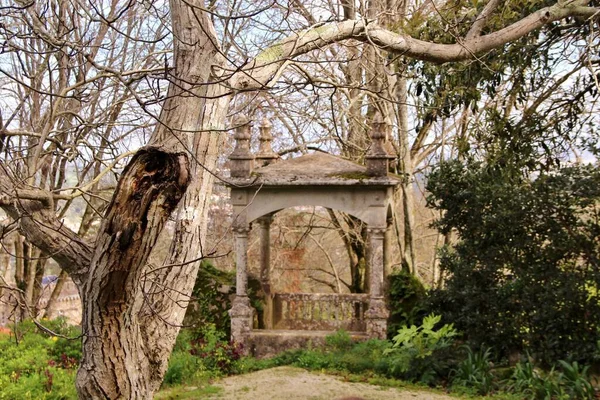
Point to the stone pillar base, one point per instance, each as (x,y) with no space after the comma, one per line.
(242,316)
(376,318)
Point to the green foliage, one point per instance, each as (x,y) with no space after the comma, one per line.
(216,354)
(314,360)
(475,371)
(412,353)
(573,382)
(364,357)
(36,365)
(501,91)
(405,296)
(203,354)
(183,367)
(212,291)
(212,295)
(576,380)
(338,354)
(250,364)
(339,341)
(525,273)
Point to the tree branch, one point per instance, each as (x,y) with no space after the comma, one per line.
(269,64)
(482,19)
(38,223)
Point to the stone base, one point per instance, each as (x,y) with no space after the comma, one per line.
(376,317)
(242,316)
(264,343)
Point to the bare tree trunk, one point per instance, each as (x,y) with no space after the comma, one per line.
(115,362)
(405,163)
(5,252)
(132,311)
(406,169)
(354,236)
(19,262)
(60,283)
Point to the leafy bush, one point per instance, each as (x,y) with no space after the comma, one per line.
(250,364)
(340,353)
(475,371)
(182,368)
(405,300)
(573,382)
(212,291)
(48,384)
(412,353)
(576,380)
(365,356)
(339,341)
(212,299)
(35,365)
(197,356)
(525,273)
(215,353)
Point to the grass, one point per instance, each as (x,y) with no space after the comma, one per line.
(187,392)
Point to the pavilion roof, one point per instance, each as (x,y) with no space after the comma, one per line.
(316,168)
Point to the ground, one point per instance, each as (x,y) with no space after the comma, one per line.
(289,383)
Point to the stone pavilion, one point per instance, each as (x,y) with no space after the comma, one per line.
(261,185)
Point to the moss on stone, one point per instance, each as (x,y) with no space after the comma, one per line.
(351,175)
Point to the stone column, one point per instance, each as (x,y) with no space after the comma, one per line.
(242,160)
(265,155)
(377,159)
(241,312)
(387,249)
(377,312)
(265,268)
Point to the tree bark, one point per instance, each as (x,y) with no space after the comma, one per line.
(406,169)
(115,361)
(131,320)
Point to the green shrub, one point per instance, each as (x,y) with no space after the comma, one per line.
(475,372)
(405,301)
(571,382)
(365,356)
(212,291)
(50,383)
(314,359)
(212,295)
(35,365)
(287,357)
(412,355)
(339,341)
(182,368)
(215,353)
(525,272)
(250,364)
(576,380)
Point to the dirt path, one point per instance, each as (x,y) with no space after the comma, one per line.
(288,383)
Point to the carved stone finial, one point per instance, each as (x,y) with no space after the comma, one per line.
(242,160)
(266,155)
(377,159)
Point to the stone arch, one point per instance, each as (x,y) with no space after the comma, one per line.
(366,204)
(251,216)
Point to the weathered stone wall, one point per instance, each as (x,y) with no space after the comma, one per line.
(268,343)
(319,311)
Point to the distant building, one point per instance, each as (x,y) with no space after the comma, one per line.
(68,304)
